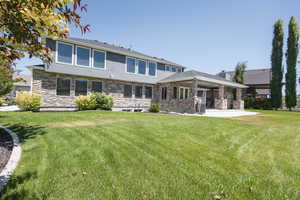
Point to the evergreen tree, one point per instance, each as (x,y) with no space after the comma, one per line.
(276,61)
(239,72)
(291,63)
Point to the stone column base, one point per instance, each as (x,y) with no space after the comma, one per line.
(221,104)
(238,104)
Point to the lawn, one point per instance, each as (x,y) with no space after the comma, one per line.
(109,155)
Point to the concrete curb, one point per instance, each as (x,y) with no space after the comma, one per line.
(13,160)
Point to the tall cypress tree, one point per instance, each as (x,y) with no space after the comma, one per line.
(276,60)
(291,63)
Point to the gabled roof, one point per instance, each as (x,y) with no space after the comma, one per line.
(118,49)
(255,76)
(193,74)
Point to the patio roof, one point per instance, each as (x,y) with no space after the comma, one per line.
(193,74)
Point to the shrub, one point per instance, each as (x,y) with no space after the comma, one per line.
(155,108)
(102,101)
(2,101)
(261,104)
(85,103)
(28,101)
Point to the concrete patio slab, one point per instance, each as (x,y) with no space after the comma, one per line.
(9,108)
(223,113)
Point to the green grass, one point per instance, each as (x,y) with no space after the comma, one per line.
(107,155)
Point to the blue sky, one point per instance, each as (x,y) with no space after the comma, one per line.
(209,36)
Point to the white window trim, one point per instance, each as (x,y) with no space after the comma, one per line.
(70,87)
(137,66)
(155,69)
(56,53)
(87,86)
(93,55)
(136,70)
(184,88)
(77,55)
(134,65)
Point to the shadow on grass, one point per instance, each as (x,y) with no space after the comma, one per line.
(13,185)
(26,132)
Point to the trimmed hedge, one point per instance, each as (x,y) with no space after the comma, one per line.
(2,101)
(94,101)
(27,101)
(260,104)
(155,108)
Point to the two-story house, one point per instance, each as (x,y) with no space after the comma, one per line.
(134,80)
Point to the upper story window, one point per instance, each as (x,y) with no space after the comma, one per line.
(142,67)
(152,69)
(64,53)
(178,70)
(98,59)
(173,69)
(168,68)
(83,56)
(130,65)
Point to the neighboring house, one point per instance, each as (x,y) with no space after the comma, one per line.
(134,80)
(257,80)
(23,85)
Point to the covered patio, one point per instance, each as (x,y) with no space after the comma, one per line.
(194,92)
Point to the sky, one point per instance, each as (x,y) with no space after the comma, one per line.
(209,36)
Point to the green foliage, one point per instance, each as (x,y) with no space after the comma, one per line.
(239,72)
(27,101)
(85,103)
(261,104)
(276,60)
(102,101)
(6,79)
(2,101)
(291,63)
(155,108)
(94,101)
(24,22)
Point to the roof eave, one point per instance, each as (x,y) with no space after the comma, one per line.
(119,52)
(201,78)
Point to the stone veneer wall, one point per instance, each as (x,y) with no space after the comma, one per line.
(44,83)
(177,105)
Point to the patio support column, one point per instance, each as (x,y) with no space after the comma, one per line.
(195,104)
(220,101)
(238,103)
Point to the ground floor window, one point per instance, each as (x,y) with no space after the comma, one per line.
(164,93)
(96,86)
(63,86)
(128,91)
(148,92)
(175,91)
(186,93)
(181,93)
(80,87)
(138,91)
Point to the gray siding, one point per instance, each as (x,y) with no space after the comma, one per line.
(115,69)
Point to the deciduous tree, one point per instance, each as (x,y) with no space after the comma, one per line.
(239,72)
(24,24)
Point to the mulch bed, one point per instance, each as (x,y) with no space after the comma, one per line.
(6,146)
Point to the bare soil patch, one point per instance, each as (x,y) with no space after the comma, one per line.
(84,123)
(6,146)
(259,119)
